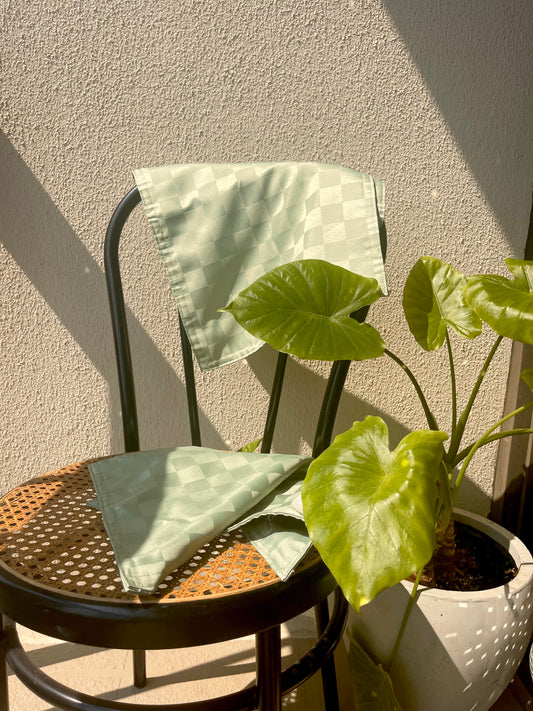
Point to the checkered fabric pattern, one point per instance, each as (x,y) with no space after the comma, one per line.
(220,227)
(160,506)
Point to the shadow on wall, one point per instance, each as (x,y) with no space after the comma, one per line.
(59,266)
(73,285)
(475,59)
(299,411)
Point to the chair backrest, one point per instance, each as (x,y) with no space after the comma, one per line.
(130,425)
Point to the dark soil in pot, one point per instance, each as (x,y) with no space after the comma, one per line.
(480,562)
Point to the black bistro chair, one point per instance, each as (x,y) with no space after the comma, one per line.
(45,581)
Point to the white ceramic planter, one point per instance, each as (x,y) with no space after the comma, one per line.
(460,649)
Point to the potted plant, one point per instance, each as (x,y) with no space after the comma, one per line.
(379,517)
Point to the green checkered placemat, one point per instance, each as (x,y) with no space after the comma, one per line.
(219,227)
(160,506)
(276,526)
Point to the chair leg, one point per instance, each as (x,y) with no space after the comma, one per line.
(139,668)
(268,660)
(4,693)
(329,676)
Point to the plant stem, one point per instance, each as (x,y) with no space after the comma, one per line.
(453,383)
(405,619)
(480,442)
(461,424)
(492,438)
(429,415)
(445,494)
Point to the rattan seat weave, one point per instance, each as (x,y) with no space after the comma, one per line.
(49,535)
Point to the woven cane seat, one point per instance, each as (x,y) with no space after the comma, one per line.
(51,537)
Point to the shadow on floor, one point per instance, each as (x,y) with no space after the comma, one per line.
(173,675)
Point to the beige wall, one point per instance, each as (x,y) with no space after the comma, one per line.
(431,97)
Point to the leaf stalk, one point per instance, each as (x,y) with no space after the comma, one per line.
(455,441)
(429,415)
(405,618)
(480,442)
(453,383)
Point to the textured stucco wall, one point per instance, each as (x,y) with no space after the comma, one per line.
(432,97)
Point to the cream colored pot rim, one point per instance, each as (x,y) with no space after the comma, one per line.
(519,552)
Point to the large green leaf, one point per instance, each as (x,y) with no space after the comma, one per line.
(304,308)
(527,377)
(522,271)
(505,305)
(433,300)
(371,512)
(251,446)
(372,686)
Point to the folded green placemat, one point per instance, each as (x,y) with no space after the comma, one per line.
(219,227)
(276,526)
(159,507)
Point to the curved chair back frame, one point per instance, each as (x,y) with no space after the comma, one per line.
(130,424)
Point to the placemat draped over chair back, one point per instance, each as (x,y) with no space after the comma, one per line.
(219,227)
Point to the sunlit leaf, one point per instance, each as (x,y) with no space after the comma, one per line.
(527,377)
(251,446)
(371,512)
(304,308)
(372,686)
(522,271)
(505,305)
(433,300)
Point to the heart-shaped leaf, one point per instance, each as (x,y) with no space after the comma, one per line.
(433,300)
(371,512)
(505,305)
(372,686)
(304,308)
(527,377)
(251,446)
(522,271)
